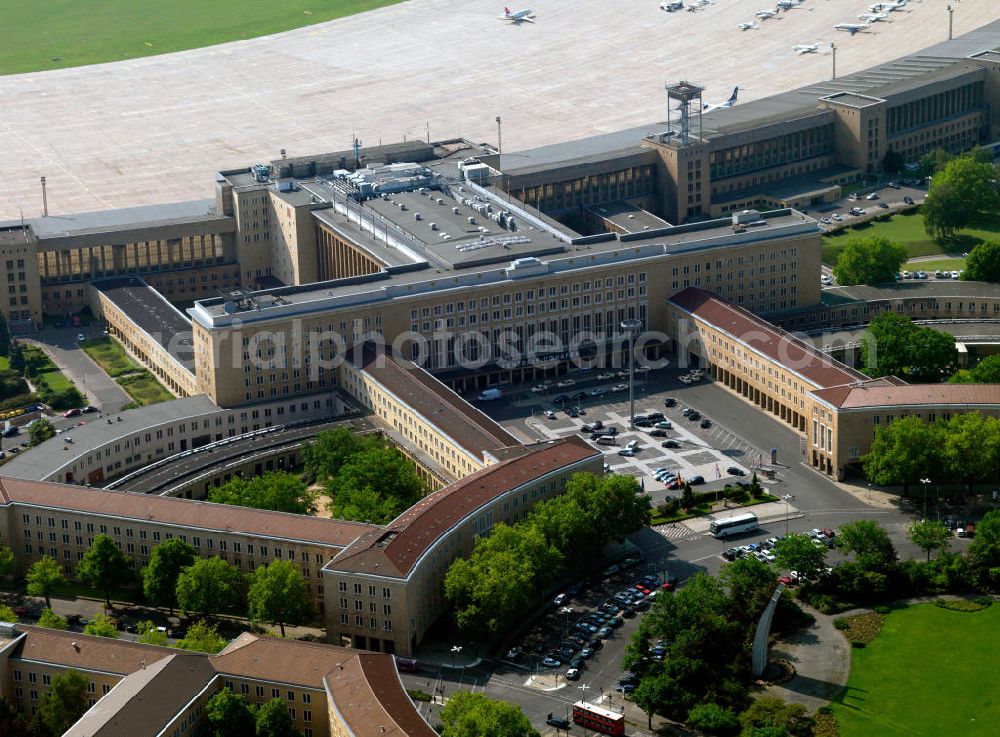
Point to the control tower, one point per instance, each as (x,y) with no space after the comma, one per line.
(684,105)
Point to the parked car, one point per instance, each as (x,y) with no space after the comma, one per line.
(625,688)
(565,383)
(619,388)
(695,480)
(706,423)
(515,654)
(736,471)
(549,414)
(670,444)
(558,722)
(551,662)
(74,412)
(605,376)
(658,433)
(669,402)
(908,200)
(560,598)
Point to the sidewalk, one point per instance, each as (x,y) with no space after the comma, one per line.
(766,512)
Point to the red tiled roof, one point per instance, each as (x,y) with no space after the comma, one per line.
(395,550)
(779,346)
(889,395)
(183,512)
(435,402)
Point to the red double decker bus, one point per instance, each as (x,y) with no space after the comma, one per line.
(598,719)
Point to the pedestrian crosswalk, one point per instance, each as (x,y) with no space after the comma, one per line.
(676,531)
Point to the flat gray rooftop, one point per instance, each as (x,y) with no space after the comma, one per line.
(911,289)
(159,319)
(55,226)
(156,129)
(628,217)
(42,461)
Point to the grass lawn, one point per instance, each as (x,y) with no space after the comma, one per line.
(110,356)
(937,264)
(4,363)
(145,389)
(68,33)
(56,380)
(930,672)
(908,229)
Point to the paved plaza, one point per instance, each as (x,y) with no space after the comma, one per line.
(155,129)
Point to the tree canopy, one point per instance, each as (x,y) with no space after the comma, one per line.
(797,553)
(229,716)
(470,714)
(202,637)
(869,543)
(869,261)
(149,634)
(986,371)
(278,595)
(896,346)
(903,452)
(101,626)
(6,560)
(983,263)
(41,431)
(273,720)
(104,567)
(959,195)
(374,485)
(44,577)
(776,718)
(971,447)
(66,701)
(209,586)
(278,491)
(930,535)
(51,620)
(159,578)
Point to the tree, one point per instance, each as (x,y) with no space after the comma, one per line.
(12,722)
(615,505)
(6,561)
(279,491)
(711,718)
(101,626)
(869,261)
(930,535)
(159,578)
(984,552)
(273,720)
(895,345)
(653,694)
(903,452)
(66,701)
(41,431)
(750,584)
(986,371)
(149,634)
(229,716)
(51,620)
(870,543)
(893,161)
(971,447)
(374,485)
(983,263)
(470,714)
(496,584)
(278,595)
(44,577)
(797,553)
(104,567)
(4,337)
(202,637)
(7,615)
(770,711)
(959,195)
(209,586)
(17,362)
(687,497)
(934,161)
(326,453)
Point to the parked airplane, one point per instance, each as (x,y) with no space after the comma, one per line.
(518,16)
(671,5)
(889,6)
(788,4)
(805,48)
(852,28)
(723,105)
(874,17)
(748,26)
(765,14)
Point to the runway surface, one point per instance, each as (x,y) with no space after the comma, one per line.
(156,129)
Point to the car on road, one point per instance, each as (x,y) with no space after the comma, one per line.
(550,662)
(74,412)
(539,388)
(573,674)
(883,205)
(565,383)
(826,280)
(579,395)
(670,444)
(605,376)
(695,480)
(558,722)
(736,471)
(619,388)
(625,688)
(908,200)
(872,196)
(80,337)
(685,379)
(597,392)
(893,185)
(837,216)
(89,408)
(825,220)
(560,398)
(559,600)
(549,414)
(515,654)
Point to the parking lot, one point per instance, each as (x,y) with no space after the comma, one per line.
(701,447)
(874,201)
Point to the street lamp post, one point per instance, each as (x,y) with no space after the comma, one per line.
(631,329)
(833,50)
(455,650)
(567,611)
(924,483)
(951,12)
(787,498)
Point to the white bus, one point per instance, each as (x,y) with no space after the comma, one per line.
(734,525)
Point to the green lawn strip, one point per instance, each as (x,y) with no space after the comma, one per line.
(144,388)
(942,264)
(907,228)
(66,33)
(705,507)
(110,356)
(56,380)
(929,672)
(4,363)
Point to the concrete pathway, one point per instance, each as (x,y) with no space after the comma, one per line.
(62,347)
(822,659)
